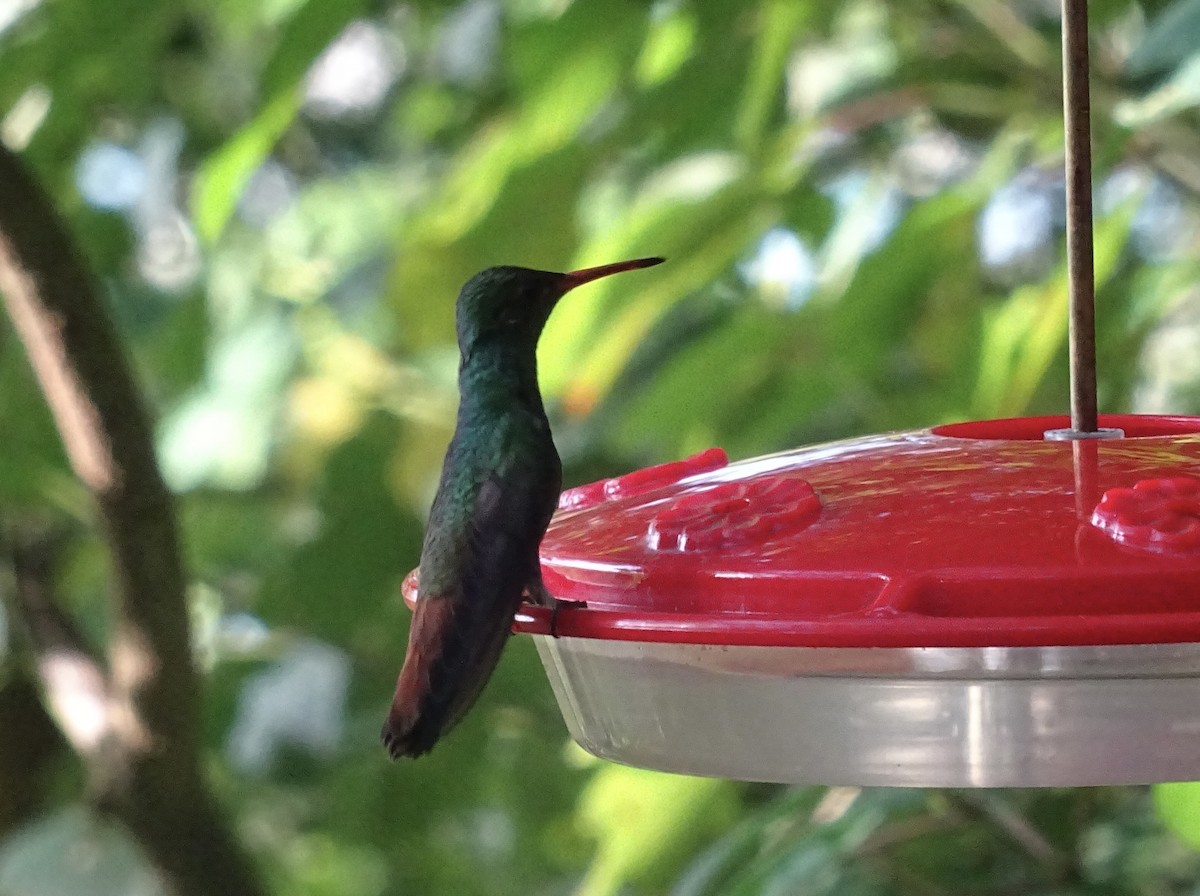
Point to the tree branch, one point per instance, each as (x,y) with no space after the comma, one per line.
(27,761)
(147,767)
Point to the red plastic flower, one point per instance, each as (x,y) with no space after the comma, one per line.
(1160,515)
(734,513)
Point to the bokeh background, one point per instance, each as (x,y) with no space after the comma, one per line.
(862,204)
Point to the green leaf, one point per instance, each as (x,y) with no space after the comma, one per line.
(670,41)
(1178,806)
(592,336)
(1168,41)
(1181,91)
(224,174)
(339,584)
(780,20)
(645,821)
(1024,336)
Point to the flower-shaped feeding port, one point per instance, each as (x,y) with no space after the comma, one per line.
(1161,515)
(734,513)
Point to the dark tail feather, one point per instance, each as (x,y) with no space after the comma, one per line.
(445,669)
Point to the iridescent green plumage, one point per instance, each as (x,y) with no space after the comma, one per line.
(499,487)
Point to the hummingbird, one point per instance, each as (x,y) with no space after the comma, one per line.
(499,487)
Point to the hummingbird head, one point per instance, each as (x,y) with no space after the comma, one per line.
(511,305)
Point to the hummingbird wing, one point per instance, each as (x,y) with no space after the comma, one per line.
(460,625)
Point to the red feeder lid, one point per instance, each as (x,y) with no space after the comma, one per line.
(970,535)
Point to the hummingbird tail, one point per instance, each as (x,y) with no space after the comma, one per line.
(408,731)
(444,671)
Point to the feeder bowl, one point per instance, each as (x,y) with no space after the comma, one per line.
(968,605)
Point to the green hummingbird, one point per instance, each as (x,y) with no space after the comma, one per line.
(499,487)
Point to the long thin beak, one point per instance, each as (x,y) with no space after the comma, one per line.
(585,275)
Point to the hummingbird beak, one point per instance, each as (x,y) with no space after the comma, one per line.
(586,275)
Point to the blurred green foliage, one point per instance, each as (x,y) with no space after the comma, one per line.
(861,207)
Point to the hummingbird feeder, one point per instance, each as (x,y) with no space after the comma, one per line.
(997,603)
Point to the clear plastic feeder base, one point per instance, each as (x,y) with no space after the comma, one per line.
(909,717)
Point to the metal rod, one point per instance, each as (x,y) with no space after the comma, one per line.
(1081,281)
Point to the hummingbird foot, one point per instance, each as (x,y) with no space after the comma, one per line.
(557,608)
(540,595)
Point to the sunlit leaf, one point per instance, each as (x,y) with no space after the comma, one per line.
(779,22)
(220,182)
(1179,807)
(644,820)
(669,41)
(1023,336)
